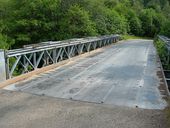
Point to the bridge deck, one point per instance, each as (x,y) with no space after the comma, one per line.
(124,74)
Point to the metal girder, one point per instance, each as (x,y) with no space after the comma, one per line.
(39,59)
(30,58)
(14,66)
(166,41)
(26,64)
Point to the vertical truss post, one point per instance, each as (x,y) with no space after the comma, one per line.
(3,71)
(54,55)
(100,44)
(168,59)
(34,60)
(110,41)
(7,67)
(45,58)
(71,51)
(105,41)
(88,47)
(67,49)
(81,48)
(25,65)
(58,54)
(61,55)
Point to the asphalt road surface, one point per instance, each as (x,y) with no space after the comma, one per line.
(118,87)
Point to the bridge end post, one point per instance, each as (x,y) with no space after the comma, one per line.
(3,72)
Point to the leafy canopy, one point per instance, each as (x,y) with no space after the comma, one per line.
(33,21)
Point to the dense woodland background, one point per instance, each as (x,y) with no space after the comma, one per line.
(33,21)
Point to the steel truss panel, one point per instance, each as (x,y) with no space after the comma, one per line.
(31,57)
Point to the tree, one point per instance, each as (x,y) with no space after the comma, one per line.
(77,23)
(110,3)
(134,23)
(146,18)
(98,14)
(5,41)
(116,23)
(165,30)
(35,21)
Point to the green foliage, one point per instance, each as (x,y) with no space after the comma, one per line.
(127,37)
(111,3)
(116,23)
(151,22)
(77,23)
(5,42)
(134,23)
(33,21)
(163,53)
(165,30)
(98,14)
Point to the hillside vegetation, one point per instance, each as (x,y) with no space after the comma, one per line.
(33,21)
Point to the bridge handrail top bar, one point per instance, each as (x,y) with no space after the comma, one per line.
(66,41)
(166,40)
(56,44)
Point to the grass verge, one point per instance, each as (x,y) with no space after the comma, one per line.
(127,37)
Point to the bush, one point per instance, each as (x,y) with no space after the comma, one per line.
(5,42)
(34,21)
(77,23)
(116,23)
(163,53)
(165,30)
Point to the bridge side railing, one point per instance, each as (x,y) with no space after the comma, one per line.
(166,60)
(166,41)
(31,57)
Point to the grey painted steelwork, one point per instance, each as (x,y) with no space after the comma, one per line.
(2,66)
(31,57)
(166,40)
(123,74)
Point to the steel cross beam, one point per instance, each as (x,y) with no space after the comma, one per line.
(31,57)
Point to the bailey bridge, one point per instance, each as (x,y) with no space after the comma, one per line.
(95,70)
